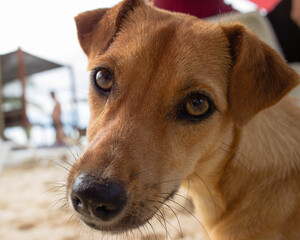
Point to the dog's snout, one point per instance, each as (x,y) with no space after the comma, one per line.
(103,199)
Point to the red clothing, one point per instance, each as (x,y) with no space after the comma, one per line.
(198,8)
(269,5)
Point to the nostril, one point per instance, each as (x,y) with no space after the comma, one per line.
(102,210)
(76,201)
(107,209)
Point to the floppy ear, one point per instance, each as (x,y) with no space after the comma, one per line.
(85,22)
(259,77)
(97,28)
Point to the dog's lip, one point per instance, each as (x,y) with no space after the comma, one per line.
(114,229)
(95,226)
(118,228)
(123,223)
(98,224)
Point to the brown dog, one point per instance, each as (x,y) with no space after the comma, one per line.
(174,99)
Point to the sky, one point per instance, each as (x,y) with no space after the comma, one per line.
(47,29)
(42,26)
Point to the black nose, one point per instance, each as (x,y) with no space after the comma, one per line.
(103,199)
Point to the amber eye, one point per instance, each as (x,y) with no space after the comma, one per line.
(197,105)
(103,79)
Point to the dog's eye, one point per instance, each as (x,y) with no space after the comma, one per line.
(103,79)
(197,105)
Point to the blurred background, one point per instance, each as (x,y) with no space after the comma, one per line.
(46,30)
(43,99)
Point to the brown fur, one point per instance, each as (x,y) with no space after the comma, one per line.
(246,153)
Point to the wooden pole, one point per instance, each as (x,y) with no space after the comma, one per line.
(22,77)
(2,121)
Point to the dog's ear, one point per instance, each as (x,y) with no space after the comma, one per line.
(101,25)
(85,22)
(259,77)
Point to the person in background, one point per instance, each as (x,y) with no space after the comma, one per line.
(56,118)
(198,8)
(285,20)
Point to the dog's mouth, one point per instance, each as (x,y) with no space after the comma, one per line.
(134,215)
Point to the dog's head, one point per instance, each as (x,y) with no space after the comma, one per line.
(166,89)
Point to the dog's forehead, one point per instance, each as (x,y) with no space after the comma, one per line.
(174,48)
(186,44)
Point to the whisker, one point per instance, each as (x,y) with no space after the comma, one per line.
(179,195)
(155,235)
(180,228)
(60,165)
(167,181)
(210,193)
(71,153)
(194,217)
(54,203)
(158,217)
(238,161)
(55,188)
(140,231)
(138,173)
(164,221)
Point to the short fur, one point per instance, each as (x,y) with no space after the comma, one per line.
(247,152)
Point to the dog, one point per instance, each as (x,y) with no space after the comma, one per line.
(175,99)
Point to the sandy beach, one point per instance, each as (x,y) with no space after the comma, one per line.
(33,207)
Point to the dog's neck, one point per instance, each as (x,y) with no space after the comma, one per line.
(270,142)
(265,151)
